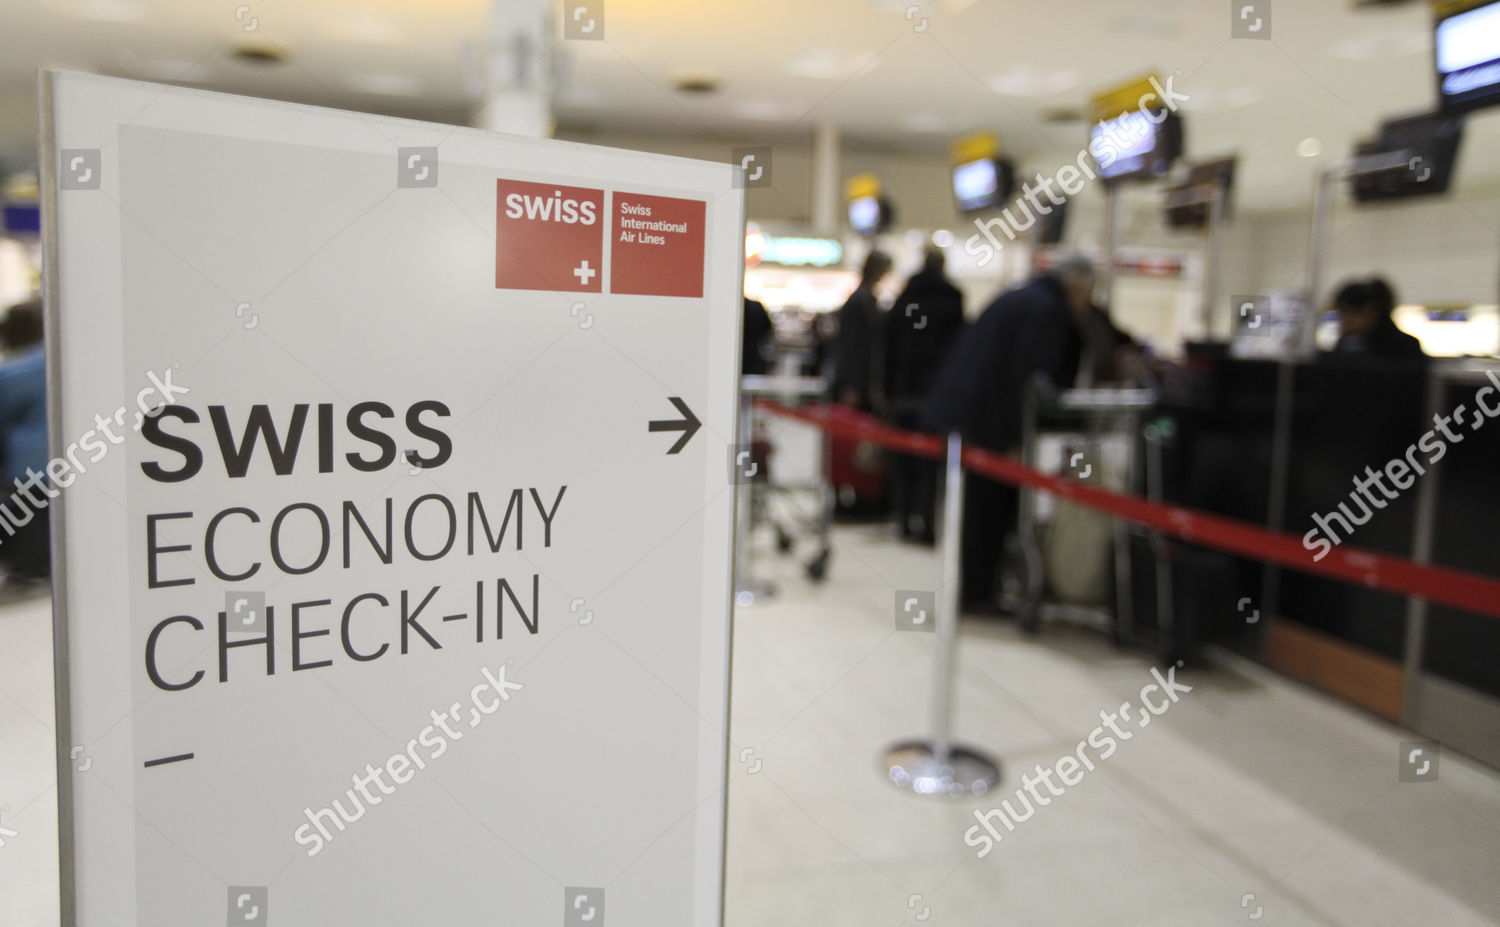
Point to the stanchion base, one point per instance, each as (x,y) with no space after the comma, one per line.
(751,591)
(962,772)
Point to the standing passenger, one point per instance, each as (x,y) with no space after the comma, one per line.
(855,352)
(1047,328)
(921,326)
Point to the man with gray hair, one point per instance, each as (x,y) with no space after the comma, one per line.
(1047,328)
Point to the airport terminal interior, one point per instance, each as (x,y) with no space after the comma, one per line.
(1014,463)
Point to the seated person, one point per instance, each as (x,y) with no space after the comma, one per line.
(1366,329)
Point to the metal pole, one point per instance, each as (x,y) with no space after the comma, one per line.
(937,767)
(1166,603)
(1281,455)
(1111,244)
(1214,259)
(1317,239)
(747,589)
(1286,379)
(1028,609)
(945,653)
(1421,552)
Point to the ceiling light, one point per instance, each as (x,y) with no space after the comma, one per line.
(942,238)
(698,84)
(257,53)
(1023,81)
(368,28)
(819,64)
(386,85)
(924,122)
(110,11)
(1309,148)
(768,110)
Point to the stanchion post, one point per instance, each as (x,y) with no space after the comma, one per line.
(747,589)
(945,652)
(1317,249)
(938,767)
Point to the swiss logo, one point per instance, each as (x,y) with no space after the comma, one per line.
(549,237)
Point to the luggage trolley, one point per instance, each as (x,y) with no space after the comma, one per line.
(764,496)
(1100,429)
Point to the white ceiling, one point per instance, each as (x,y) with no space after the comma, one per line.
(1328,72)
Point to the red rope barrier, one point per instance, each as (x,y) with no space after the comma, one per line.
(1457,588)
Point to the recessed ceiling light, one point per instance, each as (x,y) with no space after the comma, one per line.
(942,238)
(924,122)
(110,11)
(820,64)
(1309,148)
(765,110)
(258,53)
(1023,81)
(364,28)
(697,84)
(387,85)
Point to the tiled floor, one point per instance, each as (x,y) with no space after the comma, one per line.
(1249,786)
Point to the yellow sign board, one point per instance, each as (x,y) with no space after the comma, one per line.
(980,146)
(861,186)
(1124,98)
(1442,8)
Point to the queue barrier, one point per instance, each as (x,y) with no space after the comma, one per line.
(1383,572)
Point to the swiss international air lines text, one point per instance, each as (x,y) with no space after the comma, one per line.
(551,237)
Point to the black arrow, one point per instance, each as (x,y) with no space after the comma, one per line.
(688,425)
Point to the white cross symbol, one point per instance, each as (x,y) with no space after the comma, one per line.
(584,272)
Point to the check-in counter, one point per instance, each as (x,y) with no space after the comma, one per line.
(1283,446)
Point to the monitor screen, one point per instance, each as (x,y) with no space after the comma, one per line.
(1050,226)
(22,219)
(1133,145)
(864,215)
(1414,156)
(1468,58)
(1188,203)
(976,185)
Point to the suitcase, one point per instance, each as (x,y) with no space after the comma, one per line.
(856,467)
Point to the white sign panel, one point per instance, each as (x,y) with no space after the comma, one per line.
(397,517)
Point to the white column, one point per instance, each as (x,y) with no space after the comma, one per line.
(826,184)
(517,70)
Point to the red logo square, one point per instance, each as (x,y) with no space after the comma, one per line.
(658,246)
(548,237)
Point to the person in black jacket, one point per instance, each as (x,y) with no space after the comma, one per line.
(859,325)
(755,338)
(919,330)
(1366,328)
(1048,328)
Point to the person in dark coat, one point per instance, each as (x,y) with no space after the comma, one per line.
(920,327)
(855,351)
(1048,328)
(1366,329)
(756,335)
(25,549)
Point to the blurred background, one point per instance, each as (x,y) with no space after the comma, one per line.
(840,89)
(1303,164)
